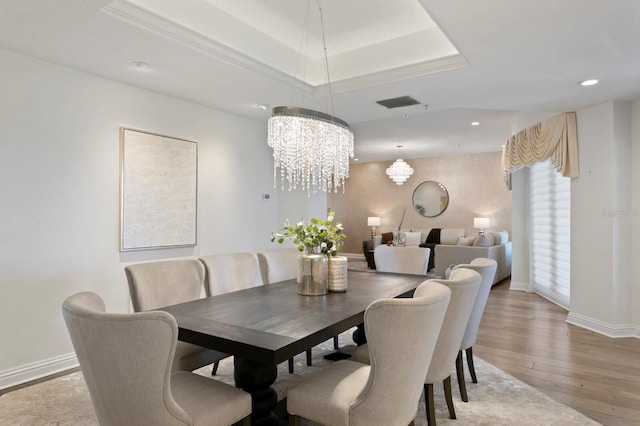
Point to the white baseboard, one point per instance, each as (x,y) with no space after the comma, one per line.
(520,286)
(37,370)
(609,330)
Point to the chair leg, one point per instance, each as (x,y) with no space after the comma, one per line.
(448,397)
(428,404)
(413,423)
(309,357)
(336,343)
(214,370)
(472,369)
(294,420)
(246,421)
(290,365)
(460,373)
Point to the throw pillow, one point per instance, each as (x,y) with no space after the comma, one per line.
(466,241)
(413,238)
(387,237)
(485,240)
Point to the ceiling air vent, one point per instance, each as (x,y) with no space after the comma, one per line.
(402,101)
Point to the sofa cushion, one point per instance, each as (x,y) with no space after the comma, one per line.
(466,241)
(485,240)
(387,237)
(450,236)
(413,238)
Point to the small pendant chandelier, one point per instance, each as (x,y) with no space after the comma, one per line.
(399,171)
(310,148)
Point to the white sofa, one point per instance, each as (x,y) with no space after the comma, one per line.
(450,251)
(404,260)
(447,254)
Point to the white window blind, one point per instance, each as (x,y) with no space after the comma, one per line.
(550,220)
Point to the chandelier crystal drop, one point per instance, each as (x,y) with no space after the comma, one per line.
(311,149)
(399,171)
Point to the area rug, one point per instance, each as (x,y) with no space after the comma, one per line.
(498,398)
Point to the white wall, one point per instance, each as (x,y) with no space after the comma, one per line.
(635,208)
(520,269)
(605,222)
(59,192)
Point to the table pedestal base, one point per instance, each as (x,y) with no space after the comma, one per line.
(256,379)
(359,335)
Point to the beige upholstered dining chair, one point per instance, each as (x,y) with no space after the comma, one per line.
(278,265)
(464,286)
(487,269)
(402,260)
(281,265)
(154,285)
(126,362)
(402,334)
(230,272)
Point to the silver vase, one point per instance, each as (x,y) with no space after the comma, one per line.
(312,274)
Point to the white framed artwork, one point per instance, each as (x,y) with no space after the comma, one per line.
(158,191)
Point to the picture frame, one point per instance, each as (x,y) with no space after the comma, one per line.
(158,191)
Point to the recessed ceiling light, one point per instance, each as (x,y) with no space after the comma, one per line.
(475,123)
(405,116)
(139,65)
(263,106)
(588,82)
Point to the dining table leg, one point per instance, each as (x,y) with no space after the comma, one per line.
(256,379)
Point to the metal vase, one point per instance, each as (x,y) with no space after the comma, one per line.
(313,274)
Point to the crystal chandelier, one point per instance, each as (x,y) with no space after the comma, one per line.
(310,148)
(399,171)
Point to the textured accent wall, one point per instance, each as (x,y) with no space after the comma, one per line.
(474,181)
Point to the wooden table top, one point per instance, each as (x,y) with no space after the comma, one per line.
(271,323)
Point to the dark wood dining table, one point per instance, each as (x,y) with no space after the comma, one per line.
(266,325)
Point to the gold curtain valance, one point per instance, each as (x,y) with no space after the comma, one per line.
(555,138)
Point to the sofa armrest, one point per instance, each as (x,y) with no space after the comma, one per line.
(446,255)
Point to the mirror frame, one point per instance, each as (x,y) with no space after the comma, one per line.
(413,198)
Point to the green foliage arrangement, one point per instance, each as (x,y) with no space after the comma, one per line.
(318,236)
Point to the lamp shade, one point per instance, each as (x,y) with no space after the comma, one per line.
(481,222)
(373,221)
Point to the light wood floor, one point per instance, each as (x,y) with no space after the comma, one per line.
(528,337)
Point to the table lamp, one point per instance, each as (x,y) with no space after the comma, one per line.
(373,221)
(481,223)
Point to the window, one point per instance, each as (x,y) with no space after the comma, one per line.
(550,220)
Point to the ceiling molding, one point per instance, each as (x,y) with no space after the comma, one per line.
(395,74)
(147,20)
(150,21)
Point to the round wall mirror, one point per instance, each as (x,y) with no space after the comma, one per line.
(430,198)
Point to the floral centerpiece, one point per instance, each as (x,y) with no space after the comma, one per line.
(319,236)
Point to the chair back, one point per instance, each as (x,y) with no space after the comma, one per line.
(487,269)
(401,335)
(403,260)
(229,272)
(154,285)
(278,265)
(126,362)
(464,285)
